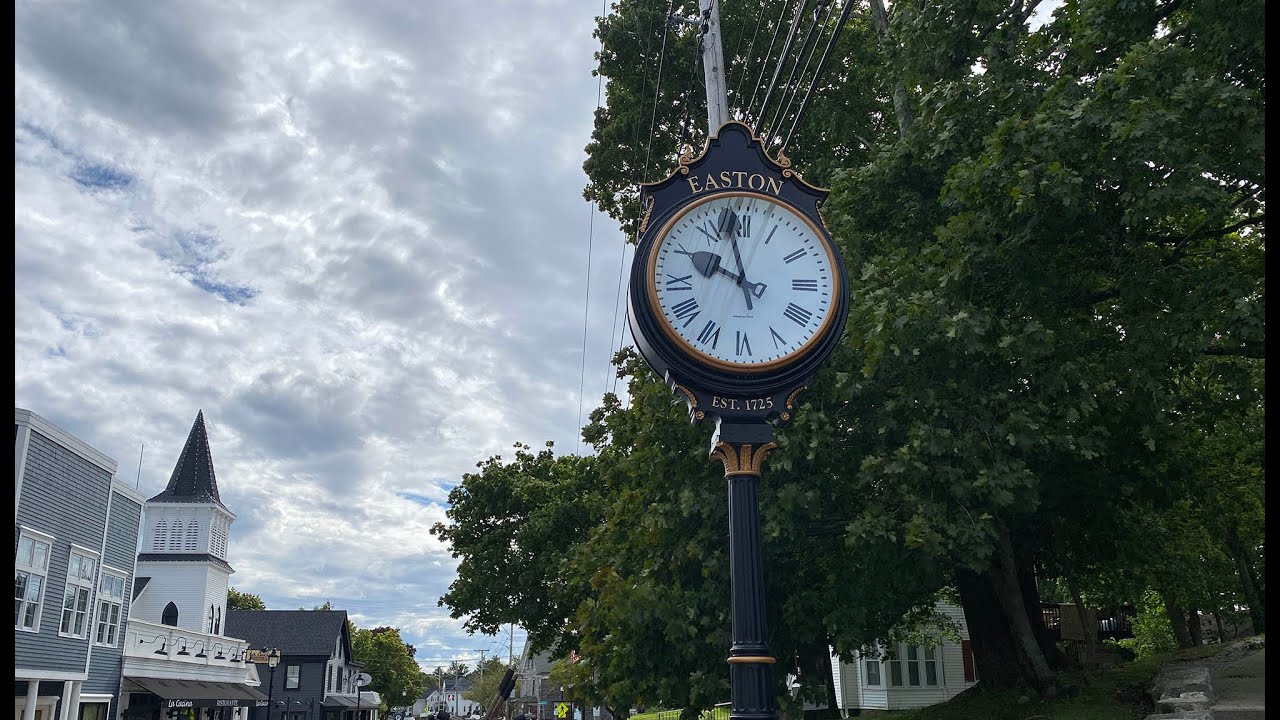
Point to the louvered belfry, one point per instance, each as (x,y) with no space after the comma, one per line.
(193,479)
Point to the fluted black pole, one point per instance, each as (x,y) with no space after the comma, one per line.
(742,449)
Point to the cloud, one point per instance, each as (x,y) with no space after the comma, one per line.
(352,235)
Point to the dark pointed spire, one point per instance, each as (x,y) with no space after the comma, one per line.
(193,479)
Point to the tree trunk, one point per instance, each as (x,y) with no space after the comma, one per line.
(993,652)
(1222,633)
(833,705)
(1004,579)
(1068,570)
(1005,649)
(1178,621)
(1244,569)
(1193,627)
(901,105)
(1025,558)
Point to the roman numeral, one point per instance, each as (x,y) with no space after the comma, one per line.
(710,332)
(807,285)
(796,255)
(777,339)
(687,311)
(744,226)
(797,314)
(744,347)
(709,229)
(679,283)
(769,237)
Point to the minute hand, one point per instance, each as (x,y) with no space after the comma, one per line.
(729,227)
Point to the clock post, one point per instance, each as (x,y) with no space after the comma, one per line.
(737,296)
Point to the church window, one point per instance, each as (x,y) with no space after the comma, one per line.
(175,536)
(160,536)
(193,535)
(170,616)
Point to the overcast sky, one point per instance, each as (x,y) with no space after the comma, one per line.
(353,234)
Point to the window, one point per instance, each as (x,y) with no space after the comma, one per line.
(170,615)
(930,666)
(895,669)
(110,603)
(342,676)
(913,666)
(193,535)
(873,670)
(175,536)
(31,567)
(75,604)
(291,677)
(93,711)
(161,534)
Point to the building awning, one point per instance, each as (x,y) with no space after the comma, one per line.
(368,700)
(201,693)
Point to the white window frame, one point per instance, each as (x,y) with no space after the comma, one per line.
(106,600)
(869,662)
(933,656)
(32,570)
(79,584)
(293,674)
(896,675)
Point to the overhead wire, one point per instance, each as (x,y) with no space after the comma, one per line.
(817,75)
(657,90)
(591,223)
(764,61)
(777,69)
(737,92)
(795,90)
(808,35)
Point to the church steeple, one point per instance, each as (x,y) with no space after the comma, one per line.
(193,479)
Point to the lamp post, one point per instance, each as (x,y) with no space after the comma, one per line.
(273,659)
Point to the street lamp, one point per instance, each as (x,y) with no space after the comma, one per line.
(273,659)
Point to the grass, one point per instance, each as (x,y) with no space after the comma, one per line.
(1115,693)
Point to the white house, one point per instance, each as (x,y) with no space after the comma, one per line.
(903,677)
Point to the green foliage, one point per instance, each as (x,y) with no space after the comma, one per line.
(484,682)
(237,600)
(389,662)
(1152,631)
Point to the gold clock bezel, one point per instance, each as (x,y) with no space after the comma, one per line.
(651,288)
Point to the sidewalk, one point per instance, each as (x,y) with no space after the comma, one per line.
(1240,687)
(1227,686)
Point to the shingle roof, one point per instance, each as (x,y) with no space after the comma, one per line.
(295,632)
(193,479)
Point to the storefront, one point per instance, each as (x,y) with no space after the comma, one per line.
(162,699)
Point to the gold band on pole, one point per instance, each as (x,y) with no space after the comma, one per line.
(763,660)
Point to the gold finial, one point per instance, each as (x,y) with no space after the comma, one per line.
(686,157)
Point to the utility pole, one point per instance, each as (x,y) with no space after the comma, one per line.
(713,65)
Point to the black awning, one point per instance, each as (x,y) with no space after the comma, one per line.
(201,693)
(340,701)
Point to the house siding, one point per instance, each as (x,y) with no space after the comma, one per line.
(65,496)
(179,582)
(120,551)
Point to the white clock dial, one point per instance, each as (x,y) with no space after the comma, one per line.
(743,280)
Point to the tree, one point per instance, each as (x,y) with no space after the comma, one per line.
(484,682)
(237,600)
(389,662)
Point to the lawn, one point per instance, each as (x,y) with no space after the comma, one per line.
(1115,693)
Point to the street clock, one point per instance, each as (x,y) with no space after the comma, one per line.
(737,291)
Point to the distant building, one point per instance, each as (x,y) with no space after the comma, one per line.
(901,677)
(315,679)
(75,538)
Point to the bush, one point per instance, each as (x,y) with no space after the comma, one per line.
(1152,631)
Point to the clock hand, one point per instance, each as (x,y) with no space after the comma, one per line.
(708,264)
(728,226)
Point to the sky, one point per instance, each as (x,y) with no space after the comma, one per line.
(351,233)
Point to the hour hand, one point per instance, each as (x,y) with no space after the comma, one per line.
(728,227)
(708,264)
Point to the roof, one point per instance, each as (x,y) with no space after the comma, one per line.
(295,632)
(193,479)
(185,557)
(139,584)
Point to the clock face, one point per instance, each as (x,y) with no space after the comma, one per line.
(743,281)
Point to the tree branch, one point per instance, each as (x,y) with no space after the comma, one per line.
(1245,351)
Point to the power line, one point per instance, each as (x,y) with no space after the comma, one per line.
(737,92)
(586,300)
(764,62)
(792,92)
(822,66)
(808,35)
(777,69)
